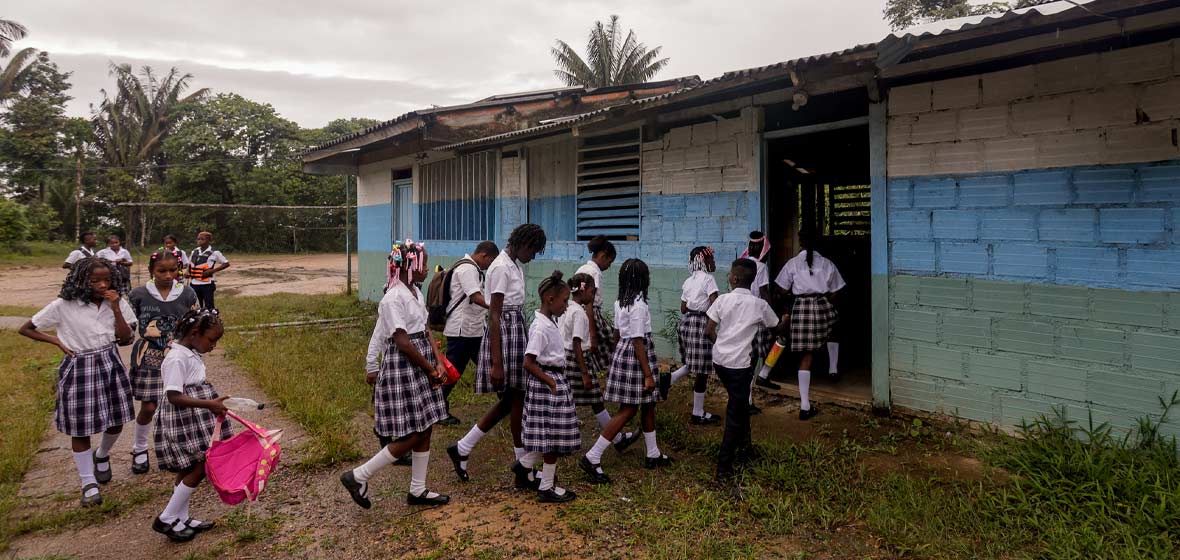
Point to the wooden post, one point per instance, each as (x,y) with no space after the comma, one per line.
(78,196)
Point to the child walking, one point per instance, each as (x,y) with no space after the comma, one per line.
(501,352)
(757,251)
(121,257)
(603,335)
(696,351)
(204,262)
(88,240)
(575,332)
(733,321)
(550,422)
(407,400)
(158,307)
(811,280)
(187,420)
(93,390)
(630,380)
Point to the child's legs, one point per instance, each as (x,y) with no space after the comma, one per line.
(805,361)
(701,383)
(597,407)
(147,410)
(517,417)
(648,417)
(497,412)
(80,444)
(192,476)
(620,419)
(737,416)
(550,458)
(422,440)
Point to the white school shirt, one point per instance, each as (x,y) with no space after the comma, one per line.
(634,321)
(182,366)
(215,258)
(505,276)
(738,314)
(79,254)
(575,324)
(122,255)
(545,342)
(823,278)
(467,320)
(596,273)
(81,325)
(696,290)
(762,278)
(400,309)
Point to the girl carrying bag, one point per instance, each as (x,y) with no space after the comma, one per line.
(239,466)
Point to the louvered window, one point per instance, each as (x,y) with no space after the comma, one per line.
(834,210)
(608,176)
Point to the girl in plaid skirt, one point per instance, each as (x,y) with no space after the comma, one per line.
(698,292)
(631,379)
(550,423)
(812,280)
(501,352)
(158,306)
(603,335)
(93,390)
(186,420)
(407,394)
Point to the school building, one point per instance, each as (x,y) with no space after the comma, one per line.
(1001,195)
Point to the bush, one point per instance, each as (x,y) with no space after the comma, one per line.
(43,222)
(14,224)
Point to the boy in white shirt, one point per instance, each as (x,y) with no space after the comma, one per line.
(467,314)
(86,249)
(734,319)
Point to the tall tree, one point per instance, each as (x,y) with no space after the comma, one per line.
(10,31)
(905,13)
(30,139)
(611,59)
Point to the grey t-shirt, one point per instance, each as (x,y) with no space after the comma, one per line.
(157,319)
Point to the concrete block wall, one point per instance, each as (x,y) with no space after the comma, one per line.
(1032,218)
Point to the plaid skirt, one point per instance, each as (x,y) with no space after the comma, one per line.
(184,433)
(93,393)
(550,424)
(404,400)
(146,382)
(763,342)
(624,379)
(582,395)
(812,318)
(608,337)
(514,337)
(696,350)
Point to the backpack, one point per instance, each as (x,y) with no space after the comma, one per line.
(239,467)
(438,296)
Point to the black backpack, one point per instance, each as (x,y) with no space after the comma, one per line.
(438,296)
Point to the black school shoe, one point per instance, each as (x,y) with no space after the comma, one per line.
(593,472)
(808,414)
(354,489)
(450,421)
(521,480)
(405,460)
(766,383)
(140,468)
(199,526)
(169,530)
(627,441)
(551,497)
(425,500)
(754,410)
(456,460)
(655,462)
(705,420)
(88,501)
(102,477)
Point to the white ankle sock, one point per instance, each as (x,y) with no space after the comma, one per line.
(764,372)
(467,443)
(595,453)
(85,463)
(649,439)
(519,452)
(603,418)
(419,463)
(676,375)
(698,404)
(142,431)
(104,451)
(530,459)
(177,504)
(804,389)
(184,515)
(833,356)
(548,477)
(379,461)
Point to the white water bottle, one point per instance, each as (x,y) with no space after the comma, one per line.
(241,404)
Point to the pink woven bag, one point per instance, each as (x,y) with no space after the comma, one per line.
(239,466)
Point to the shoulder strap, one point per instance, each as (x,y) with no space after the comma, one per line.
(449,276)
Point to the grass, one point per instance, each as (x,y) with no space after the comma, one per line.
(19,310)
(36,253)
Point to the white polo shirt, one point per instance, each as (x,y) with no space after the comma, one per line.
(182,366)
(545,342)
(400,309)
(591,268)
(215,258)
(81,325)
(821,278)
(505,276)
(467,319)
(634,321)
(738,314)
(575,324)
(115,256)
(79,254)
(696,290)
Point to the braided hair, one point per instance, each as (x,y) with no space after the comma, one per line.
(807,239)
(697,257)
(580,281)
(77,283)
(550,283)
(528,236)
(407,255)
(634,280)
(196,321)
(161,254)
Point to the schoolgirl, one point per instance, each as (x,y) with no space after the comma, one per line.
(408,400)
(170,245)
(93,390)
(550,422)
(758,250)
(698,292)
(158,307)
(88,240)
(575,333)
(187,420)
(501,352)
(811,280)
(121,257)
(631,378)
(603,335)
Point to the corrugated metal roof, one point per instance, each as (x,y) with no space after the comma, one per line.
(936,28)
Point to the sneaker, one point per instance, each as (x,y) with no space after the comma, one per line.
(348,480)
(808,414)
(704,420)
(767,384)
(550,496)
(457,462)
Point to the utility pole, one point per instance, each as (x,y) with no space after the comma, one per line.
(78,195)
(348,232)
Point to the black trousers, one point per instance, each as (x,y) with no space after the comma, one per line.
(461,350)
(205,295)
(736,440)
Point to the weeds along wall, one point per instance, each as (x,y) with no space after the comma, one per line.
(1034,235)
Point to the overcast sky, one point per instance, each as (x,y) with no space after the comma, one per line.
(316,61)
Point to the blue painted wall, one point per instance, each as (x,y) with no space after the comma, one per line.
(374,226)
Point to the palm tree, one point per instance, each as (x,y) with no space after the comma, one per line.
(610,59)
(10,31)
(14,74)
(130,128)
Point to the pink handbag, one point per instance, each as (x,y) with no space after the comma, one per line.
(239,466)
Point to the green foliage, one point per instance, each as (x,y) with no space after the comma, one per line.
(14,224)
(30,139)
(905,13)
(611,59)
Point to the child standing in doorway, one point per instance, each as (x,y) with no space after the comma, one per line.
(698,292)
(603,335)
(204,262)
(93,389)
